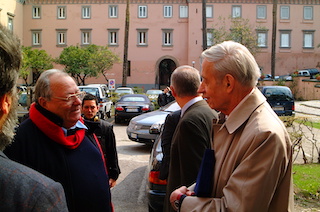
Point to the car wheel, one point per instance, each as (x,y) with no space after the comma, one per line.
(117,120)
(109,114)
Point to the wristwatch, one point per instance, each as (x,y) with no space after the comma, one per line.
(177,203)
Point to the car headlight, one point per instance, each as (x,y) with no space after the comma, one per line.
(156,128)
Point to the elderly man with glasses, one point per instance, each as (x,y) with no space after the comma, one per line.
(55,142)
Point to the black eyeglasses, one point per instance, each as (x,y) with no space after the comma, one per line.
(72,97)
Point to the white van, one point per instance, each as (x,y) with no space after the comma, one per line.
(100,91)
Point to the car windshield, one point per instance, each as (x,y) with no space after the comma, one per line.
(154,91)
(171,107)
(133,99)
(93,91)
(278,94)
(123,91)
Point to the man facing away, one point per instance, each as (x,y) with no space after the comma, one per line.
(253,170)
(21,188)
(193,132)
(54,142)
(104,132)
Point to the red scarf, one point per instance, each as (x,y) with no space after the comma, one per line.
(55,132)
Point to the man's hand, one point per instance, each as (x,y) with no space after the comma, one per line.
(112,182)
(176,195)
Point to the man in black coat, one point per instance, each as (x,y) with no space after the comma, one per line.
(104,132)
(193,133)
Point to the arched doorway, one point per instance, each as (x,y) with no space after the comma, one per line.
(166,67)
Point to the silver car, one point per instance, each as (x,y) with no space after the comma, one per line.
(146,127)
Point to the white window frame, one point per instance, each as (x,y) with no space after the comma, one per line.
(308,13)
(167,37)
(113,11)
(183,11)
(284,12)
(10,23)
(61,37)
(210,37)
(236,11)
(36,37)
(261,12)
(262,38)
(285,38)
(113,37)
(142,37)
(61,12)
(209,11)
(167,11)
(86,12)
(142,11)
(36,12)
(308,39)
(86,36)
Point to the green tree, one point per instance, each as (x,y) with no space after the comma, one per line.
(34,61)
(76,61)
(239,30)
(102,60)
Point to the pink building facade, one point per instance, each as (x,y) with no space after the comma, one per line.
(165,34)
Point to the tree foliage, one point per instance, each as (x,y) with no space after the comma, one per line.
(84,62)
(34,61)
(239,30)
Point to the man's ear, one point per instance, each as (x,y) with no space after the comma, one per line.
(5,103)
(174,94)
(42,102)
(229,82)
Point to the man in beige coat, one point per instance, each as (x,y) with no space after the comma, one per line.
(253,170)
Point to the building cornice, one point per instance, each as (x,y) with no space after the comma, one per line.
(41,2)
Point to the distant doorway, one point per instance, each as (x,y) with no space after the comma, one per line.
(166,67)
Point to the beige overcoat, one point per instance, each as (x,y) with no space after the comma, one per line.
(253,170)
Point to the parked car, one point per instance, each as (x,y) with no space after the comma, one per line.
(311,72)
(156,188)
(153,94)
(146,127)
(280,99)
(124,90)
(131,105)
(99,90)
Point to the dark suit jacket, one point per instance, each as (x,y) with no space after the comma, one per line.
(24,189)
(192,136)
(169,127)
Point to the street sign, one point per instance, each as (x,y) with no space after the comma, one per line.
(112,84)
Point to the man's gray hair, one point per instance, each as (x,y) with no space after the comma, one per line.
(185,80)
(42,88)
(233,58)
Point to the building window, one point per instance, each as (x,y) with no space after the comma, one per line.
(85,36)
(142,37)
(113,37)
(210,37)
(86,12)
(167,37)
(167,11)
(142,11)
(308,13)
(285,38)
(10,24)
(61,37)
(261,12)
(236,11)
(209,11)
(113,11)
(61,12)
(36,12)
(36,37)
(183,11)
(284,12)
(308,36)
(262,38)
